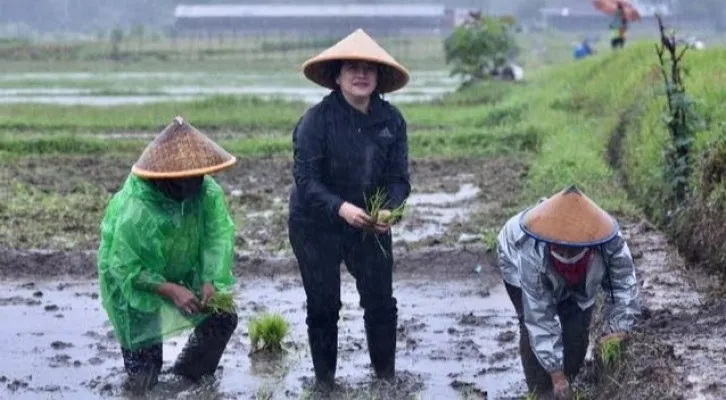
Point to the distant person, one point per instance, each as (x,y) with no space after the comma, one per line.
(619,27)
(346,147)
(553,258)
(583,50)
(167,246)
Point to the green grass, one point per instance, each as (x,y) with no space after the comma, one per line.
(229,112)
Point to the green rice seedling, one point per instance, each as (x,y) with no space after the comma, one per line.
(267,331)
(375,209)
(611,352)
(222,303)
(579,395)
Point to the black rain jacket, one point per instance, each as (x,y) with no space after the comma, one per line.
(340,154)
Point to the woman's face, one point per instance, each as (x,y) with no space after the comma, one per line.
(358,78)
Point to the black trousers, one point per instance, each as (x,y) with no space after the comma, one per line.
(575,339)
(319,255)
(617,42)
(200,356)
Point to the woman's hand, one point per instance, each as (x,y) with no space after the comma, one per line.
(182,297)
(560,386)
(208,292)
(355,216)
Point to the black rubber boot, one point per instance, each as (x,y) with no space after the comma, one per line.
(205,346)
(382,349)
(324,352)
(143,367)
(140,382)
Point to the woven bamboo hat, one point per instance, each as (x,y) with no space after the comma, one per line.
(179,151)
(357,46)
(569,218)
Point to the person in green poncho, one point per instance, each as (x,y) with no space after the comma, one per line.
(166,248)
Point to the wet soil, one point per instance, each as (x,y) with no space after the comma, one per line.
(678,350)
(443,351)
(453,201)
(457,337)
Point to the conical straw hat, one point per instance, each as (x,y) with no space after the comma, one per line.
(357,46)
(181,151)
(569,218)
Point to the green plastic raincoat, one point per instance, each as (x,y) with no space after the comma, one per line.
(148,239)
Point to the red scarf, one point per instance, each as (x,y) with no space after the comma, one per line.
(573,273)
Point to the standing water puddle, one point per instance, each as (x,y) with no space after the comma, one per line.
(453,336)
(433,212)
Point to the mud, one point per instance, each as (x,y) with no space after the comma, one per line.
(443,352)
(457,332)
(466,351)
(678,349)
(449,204)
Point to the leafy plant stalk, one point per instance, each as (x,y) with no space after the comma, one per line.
(680,119)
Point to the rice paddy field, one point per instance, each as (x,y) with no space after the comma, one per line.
(70,129)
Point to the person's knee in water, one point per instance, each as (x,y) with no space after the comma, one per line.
(554,257)
(365,154)
(166,248)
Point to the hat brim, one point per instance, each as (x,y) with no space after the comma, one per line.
(552,240)
(391,77)
(183,174)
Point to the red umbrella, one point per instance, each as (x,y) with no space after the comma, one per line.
(610,7)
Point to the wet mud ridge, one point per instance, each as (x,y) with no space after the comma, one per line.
(679,348)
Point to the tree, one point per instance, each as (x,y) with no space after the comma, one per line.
(481,45)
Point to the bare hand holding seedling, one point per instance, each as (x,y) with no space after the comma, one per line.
(182,297)
(560,386)
(355,216)
(208,292)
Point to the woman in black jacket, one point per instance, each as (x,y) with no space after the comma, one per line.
(346,147)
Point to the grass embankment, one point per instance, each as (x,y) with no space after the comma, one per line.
(604,119)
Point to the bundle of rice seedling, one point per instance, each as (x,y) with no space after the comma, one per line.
(221,303)
(375,209)
(267,331)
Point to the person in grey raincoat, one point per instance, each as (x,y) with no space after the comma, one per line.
(347,147)
(554,257)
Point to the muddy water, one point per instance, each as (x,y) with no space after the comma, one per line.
(433,213)
(60,346)
(104,89)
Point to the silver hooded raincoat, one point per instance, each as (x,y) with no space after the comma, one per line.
(524,264)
